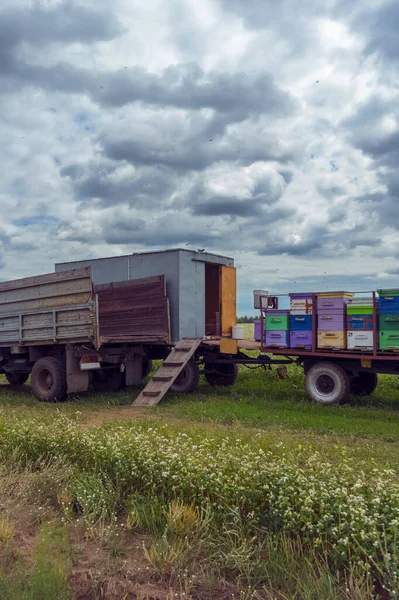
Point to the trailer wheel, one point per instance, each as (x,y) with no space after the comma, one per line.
(187,381)
(49,382)
(17,378)
(364,384)
(147,368)
(108,380)
(326,383)
(223,374)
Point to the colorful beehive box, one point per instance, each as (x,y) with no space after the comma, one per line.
(301,338)
(359,306)
(301,331)
(389,340)
(360,340)
(389,322)
(332,339)
(331,319)
(359,321)
(301,304)
(276,339)
(277,320)
(388,301)
(277,326)
(257,331)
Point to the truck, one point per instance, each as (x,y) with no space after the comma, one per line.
(70,334)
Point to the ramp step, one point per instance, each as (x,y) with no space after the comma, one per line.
(161,377)
(151,394)
(173,364)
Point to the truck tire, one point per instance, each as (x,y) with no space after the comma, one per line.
(108,380)
(49,382)
(187,381)
(223,375)
(364,384)
(147,368)
(326,383)
(17,378)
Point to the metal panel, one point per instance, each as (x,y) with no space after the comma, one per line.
(185,281)
(133,310)
(122,268)
(228,287)
(56,307)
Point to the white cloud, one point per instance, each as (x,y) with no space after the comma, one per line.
(267,134)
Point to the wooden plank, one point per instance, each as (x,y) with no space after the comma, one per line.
(228,299)
(168,372)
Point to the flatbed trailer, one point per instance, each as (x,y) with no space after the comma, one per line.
(331,375)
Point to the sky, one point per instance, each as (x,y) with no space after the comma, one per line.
(266,131)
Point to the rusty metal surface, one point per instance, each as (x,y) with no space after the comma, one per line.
(133,310)
(56,307)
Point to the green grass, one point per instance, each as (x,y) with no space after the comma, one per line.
(125,472)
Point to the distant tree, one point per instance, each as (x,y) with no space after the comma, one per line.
(246,319)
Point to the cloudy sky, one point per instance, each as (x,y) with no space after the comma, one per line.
(263,130)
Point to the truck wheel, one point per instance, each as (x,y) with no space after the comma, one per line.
(17,378)
(49,383)
(326,383)
(147,368)
(108,380)
(223,374)
(364,384)
(187,381)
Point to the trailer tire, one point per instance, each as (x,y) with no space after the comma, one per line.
(147,368)
(17,378)
(364,384)
(108,380)
(187,381)
(224,374)
(326,383)
(49,382)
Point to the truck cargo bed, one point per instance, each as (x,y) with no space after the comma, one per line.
(51,308)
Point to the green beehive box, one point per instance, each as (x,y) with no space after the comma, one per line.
(277,322)
(394,292)
(389,322)
(359,309)
(389,339)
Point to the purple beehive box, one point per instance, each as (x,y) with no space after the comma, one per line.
(331,320)
(277,339)
(257,331)
(333,301)
(301,339)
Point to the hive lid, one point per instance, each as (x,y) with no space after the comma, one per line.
(337,294)
(393,292)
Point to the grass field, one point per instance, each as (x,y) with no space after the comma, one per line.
(248,492)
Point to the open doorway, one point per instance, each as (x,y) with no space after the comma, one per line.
(212,299)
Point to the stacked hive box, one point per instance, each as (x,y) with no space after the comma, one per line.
(331,320)
(257,330)
(389,319)
(301,321)
(359,321)
(277,328)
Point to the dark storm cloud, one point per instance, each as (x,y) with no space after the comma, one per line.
(184,86)
(167,231)
(227,206)
(39,25)
(64,22)
(380,25)
(319,241)
(146,185)
(188,146)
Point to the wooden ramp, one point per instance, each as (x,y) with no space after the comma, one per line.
(171,368)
